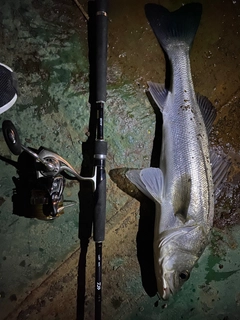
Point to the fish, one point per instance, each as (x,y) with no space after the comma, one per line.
(183,187)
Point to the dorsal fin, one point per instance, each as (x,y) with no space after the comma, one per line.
(220,169)
(208,111)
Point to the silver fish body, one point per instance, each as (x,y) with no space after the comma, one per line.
(182,188)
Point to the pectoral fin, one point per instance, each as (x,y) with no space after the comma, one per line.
(149,181)
(182,196)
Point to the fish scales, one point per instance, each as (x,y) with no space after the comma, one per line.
(182,188)
(185,152)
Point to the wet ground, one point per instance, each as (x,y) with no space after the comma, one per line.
(46,45)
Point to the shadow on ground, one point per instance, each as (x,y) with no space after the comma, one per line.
(145,232)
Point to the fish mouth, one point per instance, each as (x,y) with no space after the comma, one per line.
(166,290)
(166,294)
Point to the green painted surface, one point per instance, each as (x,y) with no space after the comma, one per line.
(46,45)
(211,293)
(50,110)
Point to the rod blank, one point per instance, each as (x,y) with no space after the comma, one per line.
(101,50)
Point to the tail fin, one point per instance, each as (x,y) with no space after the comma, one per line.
(174,27)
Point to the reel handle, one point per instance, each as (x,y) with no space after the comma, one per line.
(14,144)
(62,165)
(53,163)
(11,137)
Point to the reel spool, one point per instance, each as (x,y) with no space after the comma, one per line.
(47,198)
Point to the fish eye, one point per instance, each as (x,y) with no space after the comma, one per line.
(184,275)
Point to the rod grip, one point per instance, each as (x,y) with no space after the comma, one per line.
(100,206)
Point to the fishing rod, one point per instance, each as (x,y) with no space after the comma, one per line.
(49,170)
(100,148)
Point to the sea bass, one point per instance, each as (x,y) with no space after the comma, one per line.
(183,187)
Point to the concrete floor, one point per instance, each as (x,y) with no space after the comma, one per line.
(46,45)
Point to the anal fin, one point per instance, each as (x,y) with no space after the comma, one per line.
(159,94)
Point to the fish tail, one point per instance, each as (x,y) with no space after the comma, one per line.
(174,28)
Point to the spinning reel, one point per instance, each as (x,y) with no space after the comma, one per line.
(42,176)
